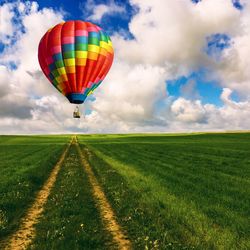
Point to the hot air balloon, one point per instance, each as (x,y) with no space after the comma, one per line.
(75,56)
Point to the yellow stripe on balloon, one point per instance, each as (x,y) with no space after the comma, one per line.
(111,50)
(92,55)
(61,71)
(93,48)
(69,62)
(106,46)
(103,44)
(81,54)
(103,52)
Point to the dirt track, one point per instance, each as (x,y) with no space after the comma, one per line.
(24,236)
(26,232)
(105,208)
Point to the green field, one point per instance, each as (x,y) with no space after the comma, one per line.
(24,166)
(177,191)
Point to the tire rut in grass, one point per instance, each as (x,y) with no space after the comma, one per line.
(26,232)
(119,237)
(71,219)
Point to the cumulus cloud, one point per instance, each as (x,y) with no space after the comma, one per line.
(167,43)
(98,11)
(20,109)
(130,92)
(188,111)
(7,29)
(204,117)
(5,81)
(173,40)
(18,86)
(13,103)
(226,98)
(176,36)
(232,69)
(35,23)
(232,115)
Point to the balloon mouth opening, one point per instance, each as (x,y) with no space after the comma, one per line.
(76,98)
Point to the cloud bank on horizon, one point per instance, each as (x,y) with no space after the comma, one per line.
(179,66)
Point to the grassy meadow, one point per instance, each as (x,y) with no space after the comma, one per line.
(168,191)
(178,191)
(25,164)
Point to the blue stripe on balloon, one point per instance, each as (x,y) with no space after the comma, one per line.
(68,47)
(52,66)
(57,57)
(94,34)
(81,39)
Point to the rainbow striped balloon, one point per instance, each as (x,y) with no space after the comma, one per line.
(75,56)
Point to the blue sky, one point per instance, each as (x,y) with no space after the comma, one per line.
(209,91)
(75,10)
(179,65)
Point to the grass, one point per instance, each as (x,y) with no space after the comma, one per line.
(71,219)
(168,191)
(33,140)
(25,164)
(185,191)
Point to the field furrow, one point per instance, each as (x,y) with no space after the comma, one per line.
(120,240)
(71,219)
(126,191)
(177,194)
(23,170)
(23,237)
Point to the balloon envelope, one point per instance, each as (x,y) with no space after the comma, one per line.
(75,56)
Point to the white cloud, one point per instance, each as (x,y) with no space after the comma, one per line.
(19,87)
(232,115)
(35,24)
(130,92)
(6,25)
(233,68)
(98,11)
(168,42)
(193,115)
(188,111)
(5,81)
(175,36)
(226,98)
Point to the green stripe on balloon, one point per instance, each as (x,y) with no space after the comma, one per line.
(55,73)
(81,46)
(93,40)
(59,64)
(69,54)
